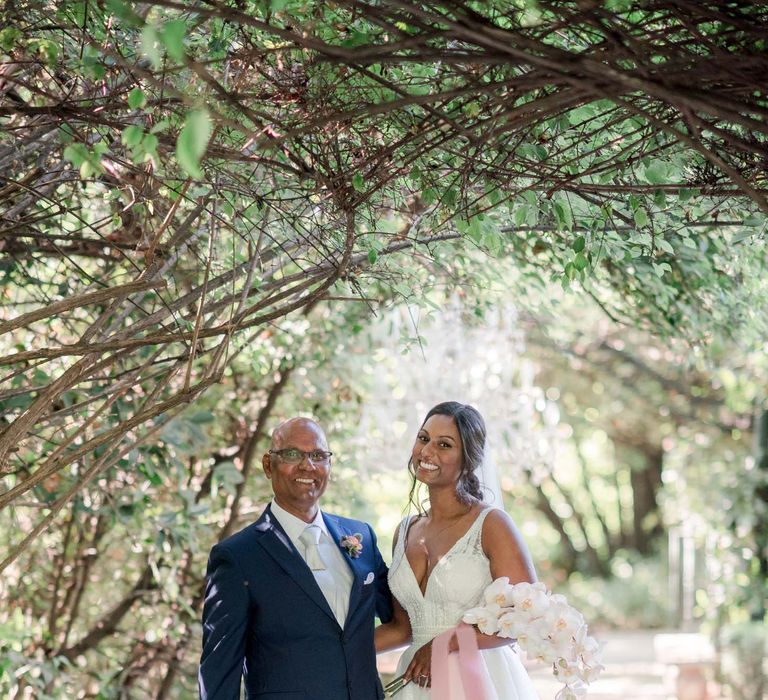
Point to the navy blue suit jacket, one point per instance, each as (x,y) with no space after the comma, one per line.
(266,619)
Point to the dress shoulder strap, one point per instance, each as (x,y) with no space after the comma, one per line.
(402,531)
(475,533)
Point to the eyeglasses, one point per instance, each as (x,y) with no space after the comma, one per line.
(291,455)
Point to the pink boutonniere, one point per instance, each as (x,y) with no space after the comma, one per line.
(352,544)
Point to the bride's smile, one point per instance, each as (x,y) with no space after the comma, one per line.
(437,453)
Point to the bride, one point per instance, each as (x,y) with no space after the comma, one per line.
(444,558)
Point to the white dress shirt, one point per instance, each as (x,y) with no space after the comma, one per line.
(335,582)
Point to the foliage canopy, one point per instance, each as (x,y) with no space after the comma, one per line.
(192,188)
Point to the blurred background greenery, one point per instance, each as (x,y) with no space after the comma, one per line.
(629,463)
(214,216)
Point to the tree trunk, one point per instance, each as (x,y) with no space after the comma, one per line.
(569,553)
(761,515)
(646,483)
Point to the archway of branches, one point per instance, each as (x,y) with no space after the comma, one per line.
(189,186)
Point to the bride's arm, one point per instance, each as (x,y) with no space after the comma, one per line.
(508,556)
(506,551)
(393,634)
(396,632)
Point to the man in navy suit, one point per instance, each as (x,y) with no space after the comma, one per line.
(290,600)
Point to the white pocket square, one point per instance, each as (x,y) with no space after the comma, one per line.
(368,578)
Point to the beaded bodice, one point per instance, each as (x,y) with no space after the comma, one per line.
(455,584)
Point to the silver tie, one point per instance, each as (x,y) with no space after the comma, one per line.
(310,539)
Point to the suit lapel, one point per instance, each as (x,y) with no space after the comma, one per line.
(337,532)
(278,545)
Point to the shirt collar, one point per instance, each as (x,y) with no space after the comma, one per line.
(294,526)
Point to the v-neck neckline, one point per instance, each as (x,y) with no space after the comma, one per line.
(439,561)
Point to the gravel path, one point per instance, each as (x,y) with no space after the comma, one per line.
(632,671)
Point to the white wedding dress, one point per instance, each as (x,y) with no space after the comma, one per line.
(455,585)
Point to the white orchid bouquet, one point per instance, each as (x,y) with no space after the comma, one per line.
(546,628)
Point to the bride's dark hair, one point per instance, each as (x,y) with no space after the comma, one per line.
(471,427)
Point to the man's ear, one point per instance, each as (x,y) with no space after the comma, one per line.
(267,464)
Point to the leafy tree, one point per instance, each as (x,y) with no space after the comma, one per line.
(182,175)
(194,194)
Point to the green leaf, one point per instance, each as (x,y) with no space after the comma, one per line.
(472,110)
(579,244)
(742,236)
(373,256)
(358,183)
(475,230)
(228,473)
(656,172)
(49,50)
(76,154)
(136,99)
(642,238)
(66,135)
(450,196)
(530,17)
(641,217)
(172,36)
(580,262)
(86,169)
(132,135)
(150,142)
(40,377)
(150,45)
(162,125)
(20,401)
(192,142)
(201,417)
(354,38)
(124,12)
(97,70)
(8,38)
(689,243)
(493,241)
(563,215)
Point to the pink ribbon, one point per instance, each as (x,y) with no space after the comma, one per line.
(471,668)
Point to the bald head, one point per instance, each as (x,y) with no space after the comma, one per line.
(282,433)
(298,485)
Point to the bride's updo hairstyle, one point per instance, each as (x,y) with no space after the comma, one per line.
(471,427)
